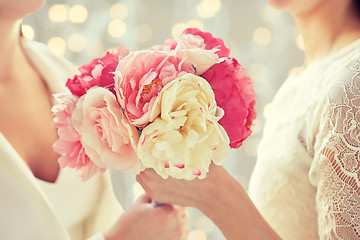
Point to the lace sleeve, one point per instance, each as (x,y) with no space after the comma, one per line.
(338,193)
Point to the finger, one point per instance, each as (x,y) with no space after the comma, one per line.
(139,178)
(144,198)
(150,173)
(143,184)
(144,177)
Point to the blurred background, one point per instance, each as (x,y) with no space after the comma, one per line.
(266,42)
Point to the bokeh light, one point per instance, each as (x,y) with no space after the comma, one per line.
(208,8)
(57,45)
(78,14)
(119,11)
(262,36)
(59,12)
(195,24)
(177,29)
(76,42)
(117,28)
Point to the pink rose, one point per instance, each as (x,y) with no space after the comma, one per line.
(234,93)
(99,72)
(139,78)
(68,146)
(106,134)
(209,41)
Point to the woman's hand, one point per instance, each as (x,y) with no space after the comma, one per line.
(145,221)
(218,195)
(192,193)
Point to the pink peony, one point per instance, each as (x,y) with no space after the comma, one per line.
(139,79)
(189,41)
(99,72)
(192,48)
(209,41)
(106,134)
(234,93)
(171,43)
(68,146)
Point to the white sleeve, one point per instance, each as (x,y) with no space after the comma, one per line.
(338,185)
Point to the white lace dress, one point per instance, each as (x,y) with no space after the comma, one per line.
(306,182)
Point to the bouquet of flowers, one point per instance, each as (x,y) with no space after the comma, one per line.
(175,108)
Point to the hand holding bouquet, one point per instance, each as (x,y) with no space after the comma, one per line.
(174,108)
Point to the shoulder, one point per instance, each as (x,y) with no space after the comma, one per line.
(345,83)
(343,115)
(339,98)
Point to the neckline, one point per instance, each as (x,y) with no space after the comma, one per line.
(332,56)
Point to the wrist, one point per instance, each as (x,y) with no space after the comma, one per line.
(221,190)
(228,205)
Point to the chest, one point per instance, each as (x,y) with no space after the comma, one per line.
(26,121)
(292,126)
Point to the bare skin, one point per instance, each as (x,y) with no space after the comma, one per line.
(326,26)
(26,121)
(27,107)
(219,196)
(131,227)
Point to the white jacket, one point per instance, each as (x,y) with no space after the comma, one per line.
(25,210)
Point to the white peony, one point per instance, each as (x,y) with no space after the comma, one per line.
(186,137)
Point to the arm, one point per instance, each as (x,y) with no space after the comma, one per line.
(337,154)
(219,196)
